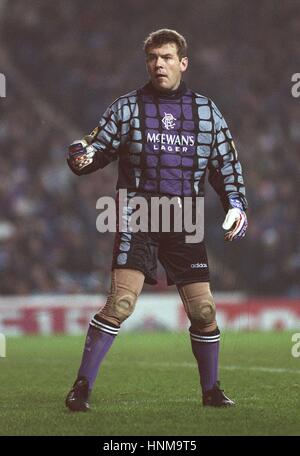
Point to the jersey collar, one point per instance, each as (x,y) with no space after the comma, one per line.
(170,94)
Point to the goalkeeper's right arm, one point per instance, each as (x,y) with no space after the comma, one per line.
(82,157)
(97,149)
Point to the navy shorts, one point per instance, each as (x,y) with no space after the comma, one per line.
(183,262)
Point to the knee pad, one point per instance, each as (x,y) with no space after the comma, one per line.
(199,305)
(126,285)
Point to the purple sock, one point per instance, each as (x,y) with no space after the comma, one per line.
(99,339)
(205,347)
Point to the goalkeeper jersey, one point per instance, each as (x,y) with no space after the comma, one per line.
(166,142)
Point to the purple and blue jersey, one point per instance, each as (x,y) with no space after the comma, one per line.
(166,142)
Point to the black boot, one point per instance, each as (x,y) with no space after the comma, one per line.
(216,397)
(77,399)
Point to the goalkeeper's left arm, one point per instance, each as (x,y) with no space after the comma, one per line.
(225,176)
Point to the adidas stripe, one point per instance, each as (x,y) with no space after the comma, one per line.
(103,327)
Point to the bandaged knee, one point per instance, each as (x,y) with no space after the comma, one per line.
(126,285)
(199,305)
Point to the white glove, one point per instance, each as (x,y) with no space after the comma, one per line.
(236,222)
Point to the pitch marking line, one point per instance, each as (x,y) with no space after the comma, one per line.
(278,370)
(275,370)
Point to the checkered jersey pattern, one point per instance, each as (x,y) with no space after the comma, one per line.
(166,144)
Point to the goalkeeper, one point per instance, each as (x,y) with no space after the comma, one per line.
(166,138)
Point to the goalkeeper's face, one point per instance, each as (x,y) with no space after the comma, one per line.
(164,66)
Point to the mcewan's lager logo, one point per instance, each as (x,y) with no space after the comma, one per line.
(171,143)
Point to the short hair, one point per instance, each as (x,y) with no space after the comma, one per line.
(165,36)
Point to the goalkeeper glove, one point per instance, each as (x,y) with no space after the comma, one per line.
(235,221)
(81,155)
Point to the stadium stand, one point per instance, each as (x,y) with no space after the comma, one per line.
(64,63)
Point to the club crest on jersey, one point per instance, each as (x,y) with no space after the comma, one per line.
(169,121)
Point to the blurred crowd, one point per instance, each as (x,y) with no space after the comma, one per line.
(75,57)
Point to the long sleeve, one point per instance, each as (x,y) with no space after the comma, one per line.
(106,138)
(102,144)
(225,170)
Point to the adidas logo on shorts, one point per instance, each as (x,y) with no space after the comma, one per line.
(198,265)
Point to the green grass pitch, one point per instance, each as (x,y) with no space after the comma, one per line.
(148,385)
